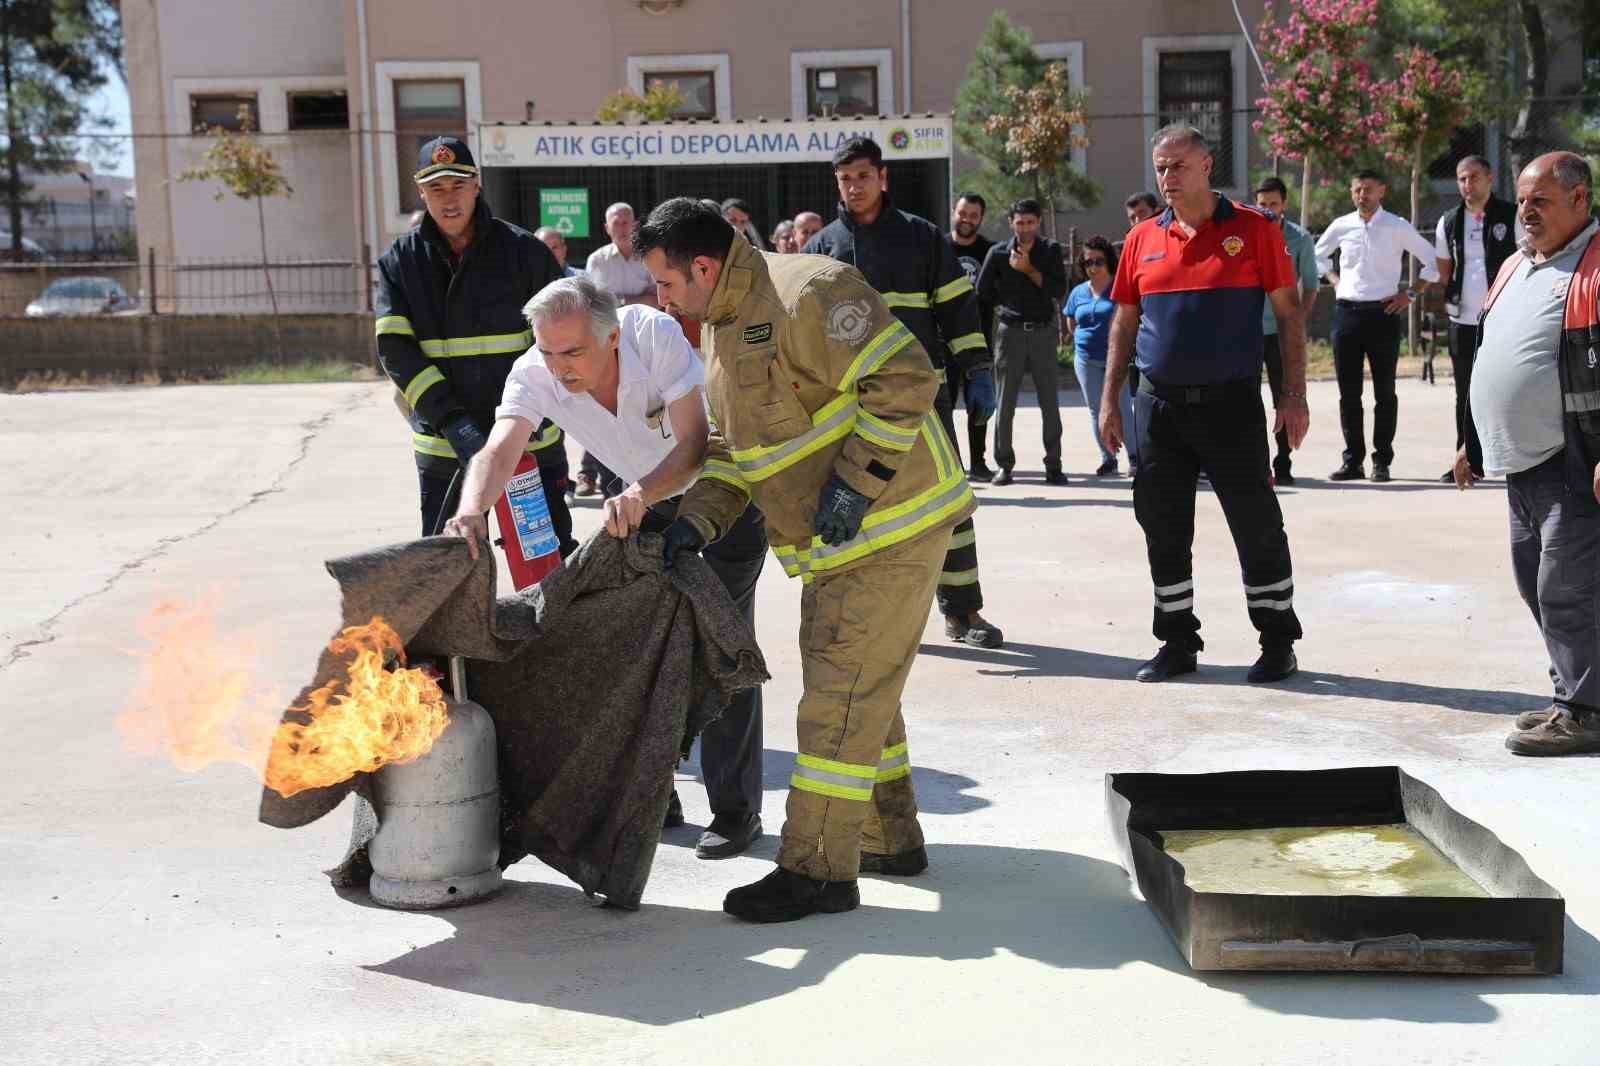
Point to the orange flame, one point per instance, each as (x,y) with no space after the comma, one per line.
(199,701)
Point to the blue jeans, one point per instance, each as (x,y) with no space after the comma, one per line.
(1092,380)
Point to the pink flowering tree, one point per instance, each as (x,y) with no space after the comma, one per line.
(1318,106)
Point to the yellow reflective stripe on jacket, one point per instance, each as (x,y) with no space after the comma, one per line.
(955,288)
(883,433)
(440,447)
(551,435)
(895,762)
(396,324)
(832,421)
(893,525)
(420,384)
(727,473)
(905,299)
(966,341)
(877,352)
(489,344)
(828,777)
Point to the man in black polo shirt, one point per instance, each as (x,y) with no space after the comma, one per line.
(1024,280)
(972,248)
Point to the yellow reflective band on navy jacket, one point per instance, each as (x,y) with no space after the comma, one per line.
(429,377)
(440,447)
(398,325)
(491,344)
(951,290)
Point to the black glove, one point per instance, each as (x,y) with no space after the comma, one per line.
(839,512)
(681,536)
(467,439)
(980,394)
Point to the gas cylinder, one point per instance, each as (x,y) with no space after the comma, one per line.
(526,532)
(438,839)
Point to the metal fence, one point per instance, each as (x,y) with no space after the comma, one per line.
(200,286)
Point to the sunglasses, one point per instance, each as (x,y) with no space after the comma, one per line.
(1095,262)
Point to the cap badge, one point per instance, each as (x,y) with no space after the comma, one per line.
(443,154)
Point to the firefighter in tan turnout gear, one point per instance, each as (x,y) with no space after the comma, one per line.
(823,409)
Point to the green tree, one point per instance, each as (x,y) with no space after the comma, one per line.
(1004,67)
(658,104)
(53,55)
(245,167)
(1042,125)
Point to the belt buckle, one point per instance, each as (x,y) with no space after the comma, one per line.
(1194,394)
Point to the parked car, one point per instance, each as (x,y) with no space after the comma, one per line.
(31,249)
(82,296)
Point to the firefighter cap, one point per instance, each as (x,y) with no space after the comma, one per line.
(444,157)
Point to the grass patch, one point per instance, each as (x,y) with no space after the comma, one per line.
(306,373)
(309,372)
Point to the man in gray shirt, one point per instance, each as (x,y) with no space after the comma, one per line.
(1519,406)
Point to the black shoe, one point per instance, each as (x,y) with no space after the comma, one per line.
(1106,469)
(1275,664)
(1380,471)
(1446,478)
(901,864)
(1478,473)
(973,629)
(1001,477)
(979,472)
(1282,476)
(1349,472)
(674,816)
(728,835)
(1055,477)
(782,896)
(1169,662)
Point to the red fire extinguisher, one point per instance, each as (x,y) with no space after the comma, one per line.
(526,532)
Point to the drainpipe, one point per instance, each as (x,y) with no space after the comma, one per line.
(905,56)
(366,137)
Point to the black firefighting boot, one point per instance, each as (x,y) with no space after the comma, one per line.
(783,896)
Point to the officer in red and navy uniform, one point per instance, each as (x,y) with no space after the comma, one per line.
(1189,291)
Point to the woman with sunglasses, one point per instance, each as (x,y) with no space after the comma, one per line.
(1088,311)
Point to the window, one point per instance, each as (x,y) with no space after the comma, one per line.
(698,88)
(841,91)
(228,110)
(424,110)
(1197,88)
(319,111)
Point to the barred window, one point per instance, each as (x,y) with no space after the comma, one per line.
(1197,88)
(424,110)
(227,110)
(841,91)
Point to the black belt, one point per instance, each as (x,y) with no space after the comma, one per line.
(1026,325)
(1197,394)
(1362,305)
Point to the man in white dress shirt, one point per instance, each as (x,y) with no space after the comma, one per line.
(1372,246)
(629,388)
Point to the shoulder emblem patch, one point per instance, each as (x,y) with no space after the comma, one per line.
(1233,245)
(848,322)
(757,334)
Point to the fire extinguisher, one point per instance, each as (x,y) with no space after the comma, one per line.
(527,533)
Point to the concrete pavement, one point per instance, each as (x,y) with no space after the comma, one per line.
(150,919)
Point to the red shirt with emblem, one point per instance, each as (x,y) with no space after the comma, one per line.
(1200,296)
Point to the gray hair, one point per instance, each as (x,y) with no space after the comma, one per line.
(1572,170)
(574,296)
(544,233)
(617,209)
(1181,131)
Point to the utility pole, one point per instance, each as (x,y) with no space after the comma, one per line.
(94,232)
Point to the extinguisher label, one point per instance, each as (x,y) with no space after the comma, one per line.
(530,515)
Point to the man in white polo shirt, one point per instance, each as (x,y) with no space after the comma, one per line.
(629,388)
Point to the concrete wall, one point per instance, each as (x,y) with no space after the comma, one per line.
(172,346)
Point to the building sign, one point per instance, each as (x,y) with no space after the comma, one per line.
(682,143)
(565,210)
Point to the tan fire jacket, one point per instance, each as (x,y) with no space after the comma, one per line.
(809,374)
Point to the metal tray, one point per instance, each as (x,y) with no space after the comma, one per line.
(1517,931)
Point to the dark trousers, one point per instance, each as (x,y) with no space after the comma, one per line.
(730,747)
(435,486)
(1272,358)
(977,432)
(605,481)
(959,593)
(1220,432)
(1463,353)
(1366,336)
(1020,353)
(1555,556)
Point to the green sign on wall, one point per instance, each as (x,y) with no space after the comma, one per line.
(565,210)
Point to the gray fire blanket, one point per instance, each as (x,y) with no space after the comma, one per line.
(597,680)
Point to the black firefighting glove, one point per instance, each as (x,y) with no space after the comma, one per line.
(467,439)
(980,394)
(839,512)
(679,537)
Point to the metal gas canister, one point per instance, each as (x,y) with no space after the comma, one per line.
(438,839)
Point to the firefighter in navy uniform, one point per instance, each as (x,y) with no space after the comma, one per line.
(450,325)
(914,267)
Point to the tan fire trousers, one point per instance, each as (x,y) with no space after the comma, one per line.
(851,789)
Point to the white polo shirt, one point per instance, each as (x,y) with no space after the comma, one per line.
(624,278)
(655,366)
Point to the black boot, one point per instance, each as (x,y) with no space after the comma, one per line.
(783,896)
(1276,663)
(901,864)
(1169,662)
(674,817)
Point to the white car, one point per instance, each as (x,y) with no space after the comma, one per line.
(82,296)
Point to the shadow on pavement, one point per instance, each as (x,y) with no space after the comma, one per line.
(1037,660)
(1051,502)
(546,945)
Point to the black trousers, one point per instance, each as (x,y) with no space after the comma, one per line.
(977,432)
(1366,336)
(1463,353)
(1221,432)
(1272,358)
(730,747)
(960,593)
(435,486)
